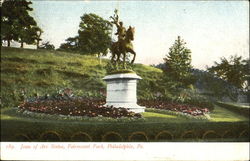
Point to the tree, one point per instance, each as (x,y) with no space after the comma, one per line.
(27,32)
(213,86)
(37,35)
(178,62)
(9,21)
(72,44)
(94,34)
(16,23)
(234,70)
(47,45)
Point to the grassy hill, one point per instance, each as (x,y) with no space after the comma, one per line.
(28,72)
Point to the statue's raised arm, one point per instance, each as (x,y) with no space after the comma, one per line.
(115,18)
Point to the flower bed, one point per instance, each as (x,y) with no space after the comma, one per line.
(182,108)
(65,103)
(76,107)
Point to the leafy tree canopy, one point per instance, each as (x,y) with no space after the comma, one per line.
(213,86)
(94,36)
(17,24)
(72,44)
(235,70)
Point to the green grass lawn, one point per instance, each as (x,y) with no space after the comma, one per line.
(157,117)
(235,107)
(241,105)
(222,114)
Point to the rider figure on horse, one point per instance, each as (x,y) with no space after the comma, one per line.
(121,31)
(123,44)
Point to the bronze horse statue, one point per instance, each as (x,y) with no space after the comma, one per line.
(123,47)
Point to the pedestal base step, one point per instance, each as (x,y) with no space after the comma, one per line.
(131,107)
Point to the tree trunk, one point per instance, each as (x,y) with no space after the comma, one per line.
(8,43)
(21,44)
(100,60)
(37,44)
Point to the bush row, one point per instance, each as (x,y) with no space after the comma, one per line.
(111,136)
(36,130)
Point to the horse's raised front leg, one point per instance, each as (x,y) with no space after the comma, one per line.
(134,53)
(113,57)
(118,57)
(124,60)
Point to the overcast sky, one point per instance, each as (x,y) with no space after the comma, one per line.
(211,29)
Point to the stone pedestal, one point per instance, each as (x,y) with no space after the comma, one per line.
(121,91)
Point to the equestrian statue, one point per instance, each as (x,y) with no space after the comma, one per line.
(123,45)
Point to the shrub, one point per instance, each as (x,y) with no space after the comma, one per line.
(191,97)
(112,136)
(22,137)
(164,135)
(200,102)
(210,135)
(50,136)
(138,137)
(188,135)
(81,137)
